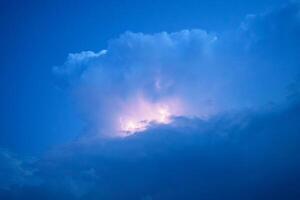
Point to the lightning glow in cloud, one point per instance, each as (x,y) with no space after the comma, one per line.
(148,78)
(140,113)
(142,79)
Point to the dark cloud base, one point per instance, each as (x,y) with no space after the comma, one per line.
(247,155)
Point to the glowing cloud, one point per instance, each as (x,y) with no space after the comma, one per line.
(138,114)
(142,80)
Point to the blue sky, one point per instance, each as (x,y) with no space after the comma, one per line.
(194,96)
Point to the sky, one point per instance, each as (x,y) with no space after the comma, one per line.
(150,99)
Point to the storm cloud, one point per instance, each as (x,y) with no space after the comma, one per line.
(198,73)
(233,134)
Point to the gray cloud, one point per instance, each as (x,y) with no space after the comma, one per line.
(249,155)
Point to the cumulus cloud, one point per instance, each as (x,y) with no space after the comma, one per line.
(138,72)
(188,73)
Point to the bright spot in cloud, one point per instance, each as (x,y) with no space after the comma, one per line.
(138,115)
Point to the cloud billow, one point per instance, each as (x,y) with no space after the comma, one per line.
(143,68)
(192,72)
